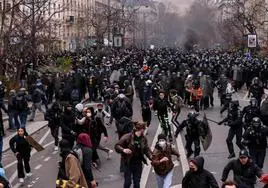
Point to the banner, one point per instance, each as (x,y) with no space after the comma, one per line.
(252,41)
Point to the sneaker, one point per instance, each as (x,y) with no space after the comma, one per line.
(56,148)
(109,154)
(21,180)
(29,174)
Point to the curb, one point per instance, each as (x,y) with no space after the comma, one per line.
(30,135)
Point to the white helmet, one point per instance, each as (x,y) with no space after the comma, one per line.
(148,82)
(79,107)
(121,96)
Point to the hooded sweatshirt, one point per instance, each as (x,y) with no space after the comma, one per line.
(84,142)
(200,178)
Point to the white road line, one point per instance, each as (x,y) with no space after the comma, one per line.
(147,168)
(176,186)
(17,185)
(38,166)
(183,158)
(14,175)
(47,159)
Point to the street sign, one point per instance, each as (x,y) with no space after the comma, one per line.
(252,41)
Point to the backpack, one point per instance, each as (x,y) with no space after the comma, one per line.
(36,96)
(75,96)
(12,102)
(125,126)
(120,107)
(264,108)
(79,153)
(21,103)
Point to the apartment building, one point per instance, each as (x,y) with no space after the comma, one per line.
(65,24)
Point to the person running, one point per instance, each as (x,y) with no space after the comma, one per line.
(197,176)
(22,150)
(162,161)
(244,169)
(133,146)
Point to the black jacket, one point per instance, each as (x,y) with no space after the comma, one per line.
(53,116)
(161,105)
(199,179)
(256,138)
(19,144)
(243,174)
(67,123)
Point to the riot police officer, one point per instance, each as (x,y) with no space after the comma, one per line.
(234,121)
(250,111)
(256,90)
(255,139)
(193,133)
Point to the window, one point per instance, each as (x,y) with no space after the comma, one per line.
(49,8)
(8,8)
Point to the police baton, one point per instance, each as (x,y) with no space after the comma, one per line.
(212,121)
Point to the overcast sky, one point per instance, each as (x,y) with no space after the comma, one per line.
(181,4)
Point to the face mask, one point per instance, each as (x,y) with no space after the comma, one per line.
(162,144)
(192,169)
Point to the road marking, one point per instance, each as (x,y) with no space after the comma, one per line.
(54,152)
(176,186)
(147,168)
(17,185)
(14,175)
(47,159)
(183,158)
(38,166)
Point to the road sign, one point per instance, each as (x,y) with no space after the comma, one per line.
(252,41)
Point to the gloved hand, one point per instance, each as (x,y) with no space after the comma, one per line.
(73,133)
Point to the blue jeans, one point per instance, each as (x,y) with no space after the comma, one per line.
(132,170)
(13,120)
(164,181)
(23,118)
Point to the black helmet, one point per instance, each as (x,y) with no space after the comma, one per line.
(192,115)
(256,122)
(234,105)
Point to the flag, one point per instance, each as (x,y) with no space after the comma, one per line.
(206,141)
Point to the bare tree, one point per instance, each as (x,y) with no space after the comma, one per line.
(25,26)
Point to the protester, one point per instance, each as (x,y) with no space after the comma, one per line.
(22,151)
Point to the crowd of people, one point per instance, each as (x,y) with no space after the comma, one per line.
(164,81)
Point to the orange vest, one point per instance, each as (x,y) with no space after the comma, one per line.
(196,94)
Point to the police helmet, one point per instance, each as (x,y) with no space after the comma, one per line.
(256,122)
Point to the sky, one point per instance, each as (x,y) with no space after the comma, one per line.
(181,4)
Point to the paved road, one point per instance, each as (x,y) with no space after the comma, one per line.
(44,164)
